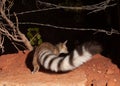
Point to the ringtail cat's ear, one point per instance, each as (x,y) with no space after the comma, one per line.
(65,42)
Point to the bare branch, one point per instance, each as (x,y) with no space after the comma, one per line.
(15,34)
(10,4)
(4,15)
(21,45)
(1,42)
(17,26)
(15,46)
(4,31)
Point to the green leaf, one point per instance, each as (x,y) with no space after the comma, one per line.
(38,36)
(34,36)
(39,41)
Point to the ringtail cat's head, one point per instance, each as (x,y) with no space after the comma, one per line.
(62,47)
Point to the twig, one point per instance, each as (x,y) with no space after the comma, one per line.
(10,4)
(15,46)
(17,35)
(5,32)
(1,42)
(4,15)
(17,25)
(20,45)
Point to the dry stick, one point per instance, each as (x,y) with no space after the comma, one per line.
(15,46)
(15,32)
(21,45)
(22,36)
(11,24)
(9,7)
(1,42)
(4,31)
(17,25)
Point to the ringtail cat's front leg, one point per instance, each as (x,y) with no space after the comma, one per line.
(36,65)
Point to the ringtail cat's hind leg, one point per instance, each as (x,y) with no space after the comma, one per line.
(36,65)
(36,68)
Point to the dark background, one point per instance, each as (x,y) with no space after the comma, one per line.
(105,19)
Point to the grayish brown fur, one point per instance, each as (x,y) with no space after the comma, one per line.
(55,49)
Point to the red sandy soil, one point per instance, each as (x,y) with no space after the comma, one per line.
(99,71)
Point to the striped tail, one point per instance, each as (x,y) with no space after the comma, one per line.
(80,55)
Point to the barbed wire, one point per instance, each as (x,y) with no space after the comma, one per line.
(112,31)
(100,5)
(93,8)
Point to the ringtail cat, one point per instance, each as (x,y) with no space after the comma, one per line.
(44,47)
(81,54)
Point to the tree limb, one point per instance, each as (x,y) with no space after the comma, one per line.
(1,42)
(17,35)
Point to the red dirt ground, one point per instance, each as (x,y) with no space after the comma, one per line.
(99,71)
